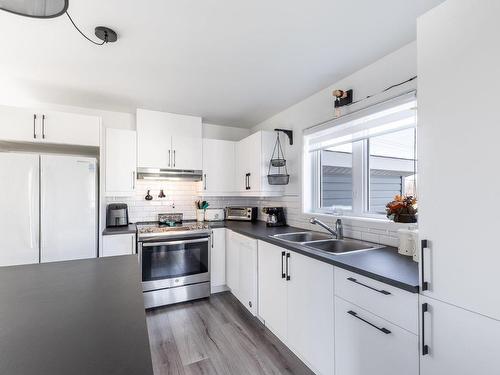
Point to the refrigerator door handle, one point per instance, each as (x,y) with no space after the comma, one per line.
(34,125)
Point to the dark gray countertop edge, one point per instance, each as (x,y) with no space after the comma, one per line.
(336,260)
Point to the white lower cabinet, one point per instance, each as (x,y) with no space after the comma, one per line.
(218,260)
(118,244)
(273,288)
(232,262)
(458,341)
(241,269)
(367,344)
(296,303)
(310,311)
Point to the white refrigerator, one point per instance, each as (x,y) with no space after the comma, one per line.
(48,208)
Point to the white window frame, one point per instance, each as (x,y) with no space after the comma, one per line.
(361,173)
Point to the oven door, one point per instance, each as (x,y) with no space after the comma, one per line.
(174,263)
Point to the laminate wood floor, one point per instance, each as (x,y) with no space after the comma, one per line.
(216,335)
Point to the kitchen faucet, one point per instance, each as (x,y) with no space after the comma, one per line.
(338,232)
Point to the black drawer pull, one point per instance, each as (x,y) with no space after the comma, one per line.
(425,348)
(384,292)
(425,284)
(287,271)
(283,275)
(384,330)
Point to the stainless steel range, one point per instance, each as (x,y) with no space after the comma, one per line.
(175,260)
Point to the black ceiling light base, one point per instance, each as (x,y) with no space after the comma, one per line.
(106,34)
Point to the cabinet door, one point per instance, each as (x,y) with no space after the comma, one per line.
(242,169)
(218,258)
(70,129)
(253,155)
(187,153)
(118,244)
(361,347)
(232,262)
(458,155)
(460,342)
(18,124)
(248,274)
(154,140)
(218,166)
(272,288)
(310,311)
(120,162)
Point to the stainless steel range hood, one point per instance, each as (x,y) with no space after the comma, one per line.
(169,174)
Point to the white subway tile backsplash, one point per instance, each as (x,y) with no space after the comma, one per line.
(181,195)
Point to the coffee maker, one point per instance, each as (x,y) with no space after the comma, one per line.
(275,216)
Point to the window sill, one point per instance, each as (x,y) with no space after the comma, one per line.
(365,221)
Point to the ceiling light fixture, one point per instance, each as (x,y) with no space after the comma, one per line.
(51,9)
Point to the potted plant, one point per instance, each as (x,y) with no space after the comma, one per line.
(403,209)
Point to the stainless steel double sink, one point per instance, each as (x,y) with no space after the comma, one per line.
(324,242)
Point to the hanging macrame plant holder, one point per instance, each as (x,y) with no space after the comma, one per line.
(278,162)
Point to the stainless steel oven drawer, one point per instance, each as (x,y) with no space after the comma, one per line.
(169,296)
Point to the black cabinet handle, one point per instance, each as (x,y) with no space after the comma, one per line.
(212,238)
(425,348)
(43,126)
(34,125)
(205,181)
(249,187)
(287,270)
(381,329)
(247,181)
(169,158)
(425,284)
(385,292)
(174,158)
(283,275)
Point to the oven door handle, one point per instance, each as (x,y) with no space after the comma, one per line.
(152,244)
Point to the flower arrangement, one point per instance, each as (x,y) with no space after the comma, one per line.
(403,209)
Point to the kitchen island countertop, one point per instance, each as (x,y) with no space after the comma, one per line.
(77,317)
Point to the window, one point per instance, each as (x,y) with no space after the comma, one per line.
(358,163)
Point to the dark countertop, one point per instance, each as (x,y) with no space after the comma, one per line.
(131,228)
(78,317)
(384,264)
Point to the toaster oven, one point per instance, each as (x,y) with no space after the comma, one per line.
(241,213)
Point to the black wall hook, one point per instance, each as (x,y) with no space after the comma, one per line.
(289,133)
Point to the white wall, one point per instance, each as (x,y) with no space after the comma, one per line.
(393,68)
(227,133)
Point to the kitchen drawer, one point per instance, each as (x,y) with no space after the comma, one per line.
(393,304)
(367,344)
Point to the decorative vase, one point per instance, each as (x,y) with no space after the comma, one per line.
(200,215)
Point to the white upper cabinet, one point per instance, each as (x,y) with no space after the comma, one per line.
(218,166)
(38,125)
(253,155)
(121,161)
(70,128)
(168,141)
(18,124)
(458,153)
(187,153)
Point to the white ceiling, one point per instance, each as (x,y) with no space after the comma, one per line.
(233,62)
